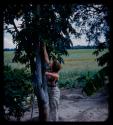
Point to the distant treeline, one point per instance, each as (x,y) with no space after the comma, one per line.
(83,47)
(74,47)
(8,49)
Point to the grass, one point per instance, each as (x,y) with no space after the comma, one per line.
(79,62)
(8,56)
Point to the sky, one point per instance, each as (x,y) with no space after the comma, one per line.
(8,41)
(9,44)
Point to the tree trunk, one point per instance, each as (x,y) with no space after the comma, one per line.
(39,80)
(40,87)
(44,85)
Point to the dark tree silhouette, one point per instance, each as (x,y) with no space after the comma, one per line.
(40,24)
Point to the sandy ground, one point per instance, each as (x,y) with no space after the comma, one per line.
(74,106)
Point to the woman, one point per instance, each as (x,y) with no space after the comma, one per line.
(53,90)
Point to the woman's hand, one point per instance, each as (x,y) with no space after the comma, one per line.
(46,73)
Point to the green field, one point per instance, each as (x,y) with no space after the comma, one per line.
(79,61)
(8,56)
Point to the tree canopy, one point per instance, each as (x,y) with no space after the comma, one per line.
(53,24)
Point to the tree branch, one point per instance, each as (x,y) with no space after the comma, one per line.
(15,27)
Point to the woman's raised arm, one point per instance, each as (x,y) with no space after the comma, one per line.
(46,55)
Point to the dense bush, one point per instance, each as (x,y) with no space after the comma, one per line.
(17,84)
(90,81)
(68,79)
(73,79)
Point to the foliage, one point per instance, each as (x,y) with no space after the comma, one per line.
(36,19)
(104,59)
(91,83)
(59,21)
(93,22)
(89,20)
(17,86)
(68,79)
(73,79)
(51,24)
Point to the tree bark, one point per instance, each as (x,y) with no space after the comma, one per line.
(44,85)
(40,87)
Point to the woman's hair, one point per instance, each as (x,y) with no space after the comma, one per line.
(56,66)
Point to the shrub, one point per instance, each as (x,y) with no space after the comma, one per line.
(17,84)
(74,79)
(68,79)
(92,82)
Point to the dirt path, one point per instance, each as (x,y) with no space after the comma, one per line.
(74,106)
